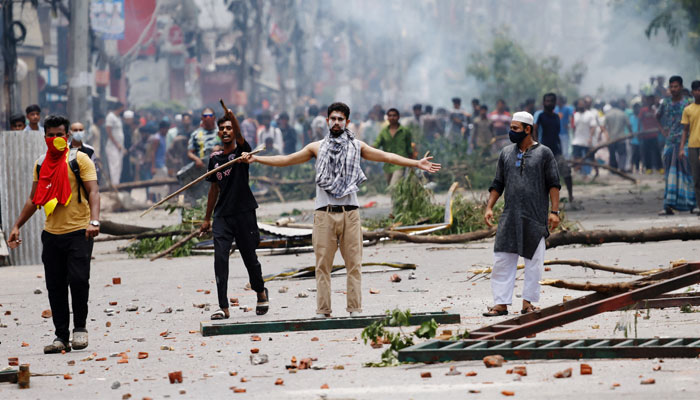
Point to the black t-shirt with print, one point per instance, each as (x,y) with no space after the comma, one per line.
(235,196)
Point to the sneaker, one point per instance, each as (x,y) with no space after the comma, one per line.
(321,316)
(355,314)
(57,346)
(80,339)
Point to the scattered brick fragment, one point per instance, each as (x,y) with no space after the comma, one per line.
(113,303)
(71,362)
(314,339)
(123,361)
(46,314)
(470,373)
(207,291)
(82,371)
(279,382)
(255,338)
(232,373)
(564,374)
(244,379)
(395,278)
(493,361)
(586,369)
(520,370)
(325,386)
(453,371)
(255,350)
(67,376)
(474,391)
(108,324)
(507,393)
(126,396)
(649,381)
(183,391)
(142,355)
(239,390)
(175,377)
(116,281)
(13,361)
(101,359)
(25,344)
(509,371)
(657,368)
(426,375)
(8,312)
(547,269)
(374,291)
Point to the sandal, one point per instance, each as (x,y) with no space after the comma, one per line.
(262,307)
(57,346)
(219,315)
(529,310)
(492,312)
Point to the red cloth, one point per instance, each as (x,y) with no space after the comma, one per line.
(53,187)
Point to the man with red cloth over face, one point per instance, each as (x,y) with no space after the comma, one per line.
(71,202)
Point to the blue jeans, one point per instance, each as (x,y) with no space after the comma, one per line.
(579,152)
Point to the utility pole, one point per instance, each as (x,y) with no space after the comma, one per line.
(79,96)
(9,55)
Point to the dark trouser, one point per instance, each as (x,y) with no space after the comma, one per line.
(618,154)
(244,229)
(693,154)
(578,152)
(67,263)
(651,153)
(636,156)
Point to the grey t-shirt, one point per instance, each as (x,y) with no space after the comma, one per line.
(615,122)
(526,194)
(324,198)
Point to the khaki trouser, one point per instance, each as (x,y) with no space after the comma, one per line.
(333,230)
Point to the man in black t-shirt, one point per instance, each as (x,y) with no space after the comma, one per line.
(234,216)
(548,126)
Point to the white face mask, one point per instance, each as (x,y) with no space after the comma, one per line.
(78,135)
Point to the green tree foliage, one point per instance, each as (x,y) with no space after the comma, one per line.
(510,72)
(678,18)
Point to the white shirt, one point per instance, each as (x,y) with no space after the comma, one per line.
(275,134)
(583,122)
(29,129)
(114,122)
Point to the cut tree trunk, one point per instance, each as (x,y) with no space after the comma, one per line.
(592,265)
(444,239)
(113,228)
(615,235)
(598,287)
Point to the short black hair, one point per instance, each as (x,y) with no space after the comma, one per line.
(500,101)
(428,109)
(341,107)
(221,120)
(32,108)
(484,107)
(313,110)
(283,115)
(530,101)
(457,100)
(417,106)
(524,125)
(116,105)
(550,94)
(54,120)
(475,101)
(695,85)
(394,110)
(186,115)
(17,118)
(163,124)
(675,78)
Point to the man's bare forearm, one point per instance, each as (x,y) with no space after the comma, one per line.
(554,198)
(493,198)
(211,200)
(27,211)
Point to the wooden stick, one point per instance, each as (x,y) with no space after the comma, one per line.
(459,238)
(141,236)
(592,265)
(201,178)
(176,245)
(600,288)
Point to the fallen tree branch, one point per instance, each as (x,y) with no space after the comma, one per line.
(172,248)
(634,236)
(307,272)
(113,228)
(596,287)
(615,171)
(145,235)
(595,149)
(592,265)
(445,239)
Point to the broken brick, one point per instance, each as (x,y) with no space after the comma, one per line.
(426,375)
(305,363)
(547,269)
(474,391)
(46,314)
(123,361)
(67,376)
(509,371)
(279,382)
(255,350)
(101,359)
(507,393)
(126,396)
(255,338)
(238,390)
(25,344)
(470,373)
(586,369)
(113,303)
(175,377)
(520,370)
(376,345)
(108,324)
(207,291)
(82,371)
(325,386)
(12,361)
(493,361)
(71,362)
(8,312)
(142,355)
(374,291)
(116,281)
(395,278)
(649,381)
(314,339)
(564,374)
(232,373)
(244,379)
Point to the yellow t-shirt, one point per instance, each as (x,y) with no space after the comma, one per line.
(691,116)
(74,216)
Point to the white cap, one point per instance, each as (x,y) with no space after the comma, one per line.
(524,117)
(128,114)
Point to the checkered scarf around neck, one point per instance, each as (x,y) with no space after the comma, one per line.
(338,170)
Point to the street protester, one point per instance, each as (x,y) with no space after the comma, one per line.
(77,141)
(394,138)
(526,175)
(234,216)
(337,218)
(548,127)
(65,185)
(691,136)
(678,192)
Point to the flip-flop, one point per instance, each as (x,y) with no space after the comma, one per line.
(219,315)
(262,307)
(495,313)
(529,310)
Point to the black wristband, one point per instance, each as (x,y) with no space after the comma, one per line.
(555,212)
